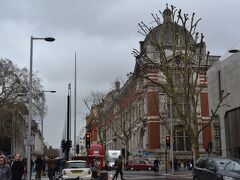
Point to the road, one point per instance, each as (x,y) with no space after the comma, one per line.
(147,175)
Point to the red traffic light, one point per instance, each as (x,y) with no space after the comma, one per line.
(88,140)
(168,146)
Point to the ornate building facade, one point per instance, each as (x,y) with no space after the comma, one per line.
(134,112)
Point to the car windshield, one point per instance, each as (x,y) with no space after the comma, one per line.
(228,164)
(221,163)
(76,165)
(233,166)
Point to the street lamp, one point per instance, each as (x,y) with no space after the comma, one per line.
(42,116)
(29,137)
(234,50)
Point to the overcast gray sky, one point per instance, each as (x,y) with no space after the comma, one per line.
(103,34)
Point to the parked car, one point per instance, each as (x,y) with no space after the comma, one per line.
(76,169)
(139,164)
(216,168)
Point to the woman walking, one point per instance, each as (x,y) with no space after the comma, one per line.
(5,169)
(17,168)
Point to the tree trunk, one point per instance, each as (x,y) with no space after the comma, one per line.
(126,153)
(195,149)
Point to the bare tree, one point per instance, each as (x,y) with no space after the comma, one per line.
(177,56)
(123,126)
(96,100)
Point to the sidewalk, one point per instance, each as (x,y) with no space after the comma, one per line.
(42,178)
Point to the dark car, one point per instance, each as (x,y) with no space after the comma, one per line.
(139,164)
(216,168)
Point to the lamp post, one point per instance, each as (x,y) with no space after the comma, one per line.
(234,50)
(29,137)
(42,117)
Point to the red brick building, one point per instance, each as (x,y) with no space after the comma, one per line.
(133,113)
(92,121)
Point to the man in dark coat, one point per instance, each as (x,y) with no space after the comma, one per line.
(38,167)
(50,166)
(119,164)
(17,167)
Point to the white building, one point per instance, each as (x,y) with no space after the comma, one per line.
(223,79)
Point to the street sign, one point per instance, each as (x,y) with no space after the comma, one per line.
(29,140)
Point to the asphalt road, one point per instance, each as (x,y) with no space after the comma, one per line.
(146,175)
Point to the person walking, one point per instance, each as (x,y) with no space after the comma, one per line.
(44,166)
(5,169)
(17,167)
(96,171)
(119,164)
(38,167)
(156,166)
(50,166)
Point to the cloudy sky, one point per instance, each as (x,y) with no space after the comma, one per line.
(103,34)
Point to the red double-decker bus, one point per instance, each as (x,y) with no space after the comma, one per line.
(96,151)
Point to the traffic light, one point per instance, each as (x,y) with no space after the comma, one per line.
(88,140)
(68,144)
(63,145)
(77,149)
(168,146)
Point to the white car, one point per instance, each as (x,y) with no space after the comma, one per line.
(76,169)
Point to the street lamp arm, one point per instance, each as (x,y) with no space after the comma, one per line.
(49,39)
(49,91)
(234,50)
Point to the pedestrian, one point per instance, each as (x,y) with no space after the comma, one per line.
(156,165)
(119,164)
(17,167)
(5,169)
(44,166)
(25,162)
(175,163)
(50,166)
(96,171)
(115,167)
(38,167)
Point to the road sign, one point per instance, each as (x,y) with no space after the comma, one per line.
(29,140)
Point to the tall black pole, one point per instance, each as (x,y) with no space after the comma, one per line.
(68,124)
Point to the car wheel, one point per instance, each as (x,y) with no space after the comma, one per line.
(149,168)
(132,169)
